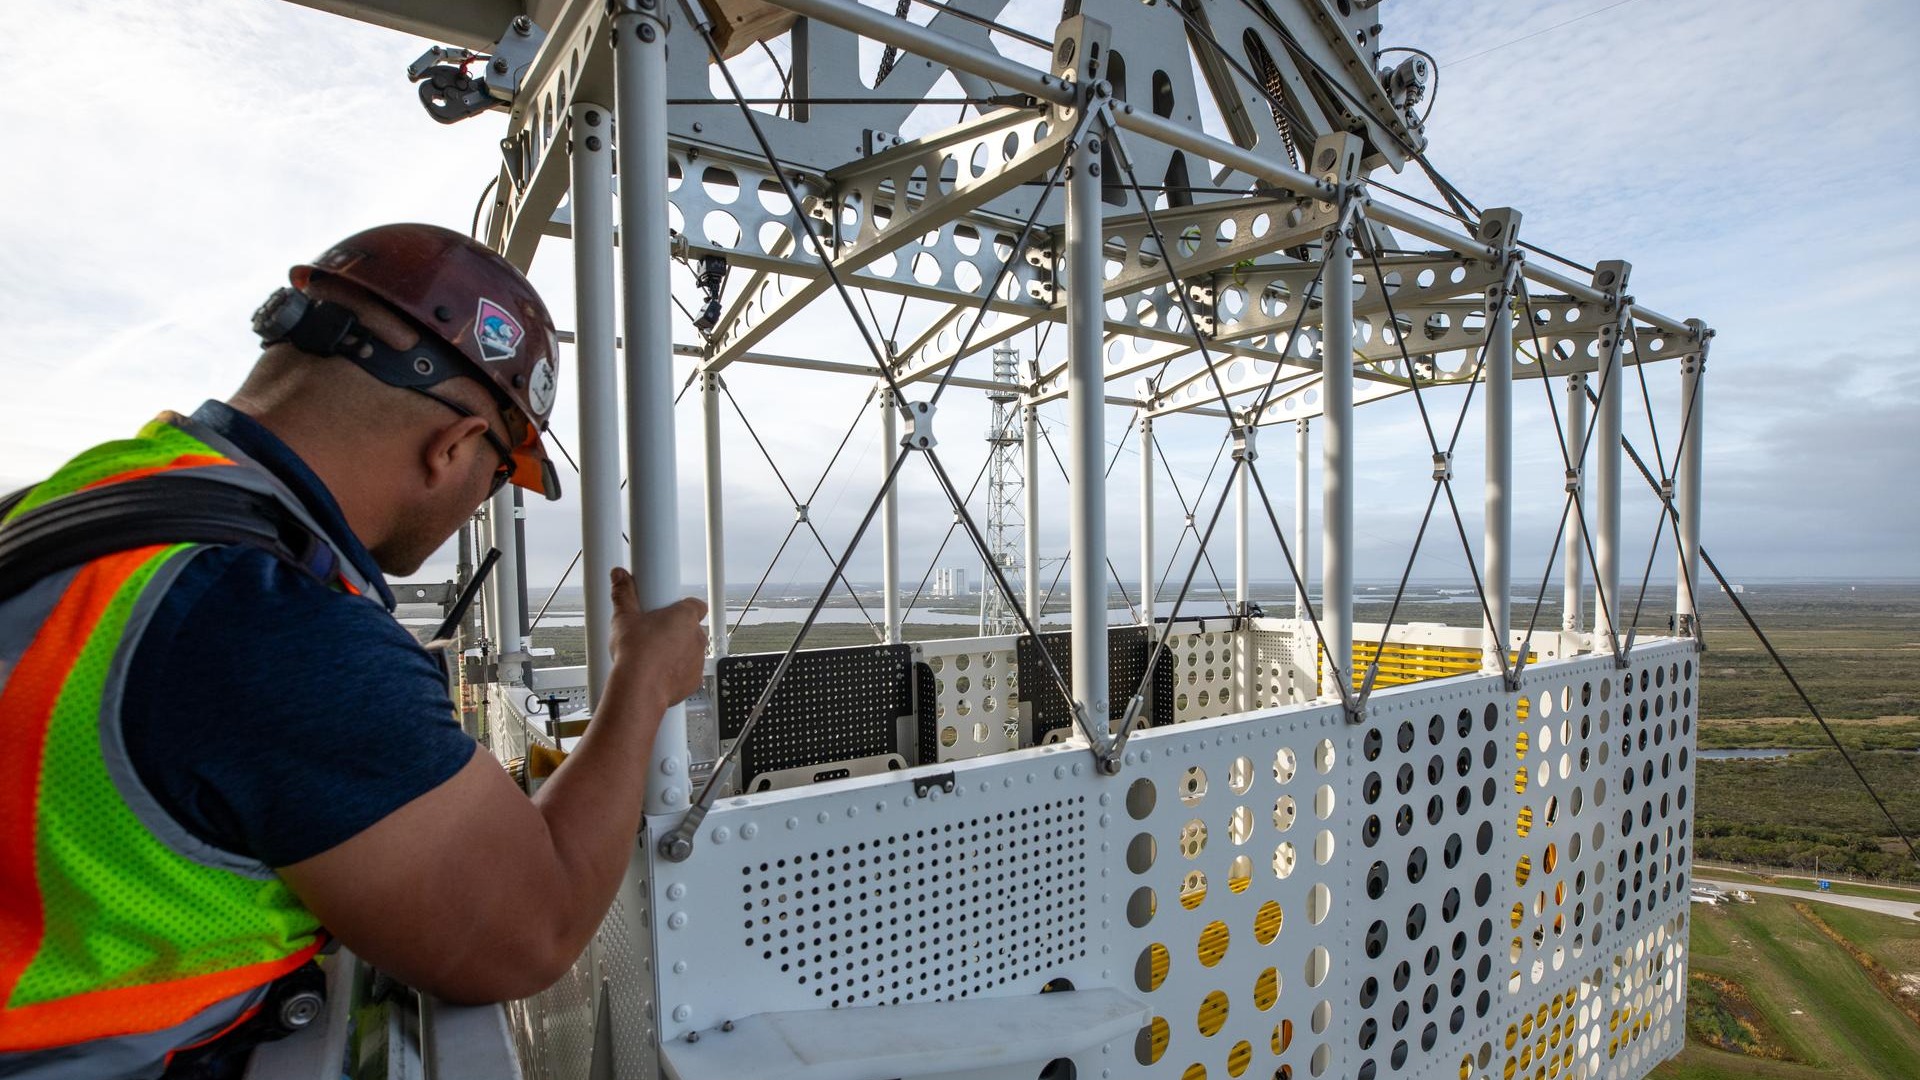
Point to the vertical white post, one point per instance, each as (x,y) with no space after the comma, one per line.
(1082,44)
(1336,478)
(1302,517)
(1496,554)
(598,378)
(1146,521)
(1243,573)
(1030,447)
(1609,277)
(509,620)
(640,112)
(716,514)
(1573,616)
(1693,402)
(890,516)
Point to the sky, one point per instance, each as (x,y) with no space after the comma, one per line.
(1754,159)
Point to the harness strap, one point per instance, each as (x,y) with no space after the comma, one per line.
(160,509)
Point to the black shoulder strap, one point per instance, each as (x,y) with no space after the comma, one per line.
(92,524)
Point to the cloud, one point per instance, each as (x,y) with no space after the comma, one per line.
(1755,164)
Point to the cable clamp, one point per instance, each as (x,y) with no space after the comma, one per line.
(800,512)
(919,426)
(1244,448)
(1442,466)
(1573,481)
(1666,490)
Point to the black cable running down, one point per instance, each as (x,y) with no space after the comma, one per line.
(1343,680)
(1570,463)
(723,768)
(762,583)
(1726,588)
(1160,642)
(811,495)
(1173,559)
(1442,482)
(879,634)
(944,541)
(1006,589)
(1062,466)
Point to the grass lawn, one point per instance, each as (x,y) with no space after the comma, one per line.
(1809,998)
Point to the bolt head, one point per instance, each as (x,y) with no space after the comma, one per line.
(300,1010)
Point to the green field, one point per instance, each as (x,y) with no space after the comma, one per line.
(1800,995)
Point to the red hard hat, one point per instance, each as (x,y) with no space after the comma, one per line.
(468,296)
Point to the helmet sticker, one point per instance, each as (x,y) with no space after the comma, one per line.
(498,331)
(540,388)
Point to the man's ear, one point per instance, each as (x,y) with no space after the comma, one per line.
(447,455)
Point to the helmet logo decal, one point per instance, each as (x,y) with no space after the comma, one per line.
(540,388)
(499,332)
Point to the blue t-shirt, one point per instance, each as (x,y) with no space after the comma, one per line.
(271,715)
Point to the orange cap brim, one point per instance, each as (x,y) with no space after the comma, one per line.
(533,469)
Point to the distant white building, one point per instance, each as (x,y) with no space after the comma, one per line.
(950,582)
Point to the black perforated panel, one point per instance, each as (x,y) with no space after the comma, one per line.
(1126,663)
(926,709)
(1163,684)
(833,705)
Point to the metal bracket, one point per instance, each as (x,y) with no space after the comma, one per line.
(1574,477)
(800,512)
(923,784)
(450,94)
(919,434)
(1442,466)
(1244,447)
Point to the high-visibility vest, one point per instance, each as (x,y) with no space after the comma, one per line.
(116,922)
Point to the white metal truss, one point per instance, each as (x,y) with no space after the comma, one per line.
(1268,860)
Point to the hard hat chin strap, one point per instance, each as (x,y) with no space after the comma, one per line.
(323,328)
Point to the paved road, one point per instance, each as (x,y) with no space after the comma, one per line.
(1902,909)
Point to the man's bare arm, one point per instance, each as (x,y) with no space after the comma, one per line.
(475,893)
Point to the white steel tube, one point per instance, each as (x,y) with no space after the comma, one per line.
(1693,374)
(1395,218)
(1242,578)
(1588,292)
(1030,447)
(1573,616)
(598,378)
(1496,556)
(1336,480)
(890,517)
(715,514)
(1302,448)
(1194,141)
(1606,497)
(925,43)
(509,620)
(640,110)
(1087,431)
(1146,522)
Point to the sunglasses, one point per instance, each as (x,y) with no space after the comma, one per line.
(505,471)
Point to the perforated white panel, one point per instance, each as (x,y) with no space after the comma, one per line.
(1278,678)
(1288,893)
(977,696)
(1203,674)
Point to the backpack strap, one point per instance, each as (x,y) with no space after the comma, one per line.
(161,509)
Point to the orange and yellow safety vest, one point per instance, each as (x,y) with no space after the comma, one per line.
(116,923)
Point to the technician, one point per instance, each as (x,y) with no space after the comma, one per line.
(216,757)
